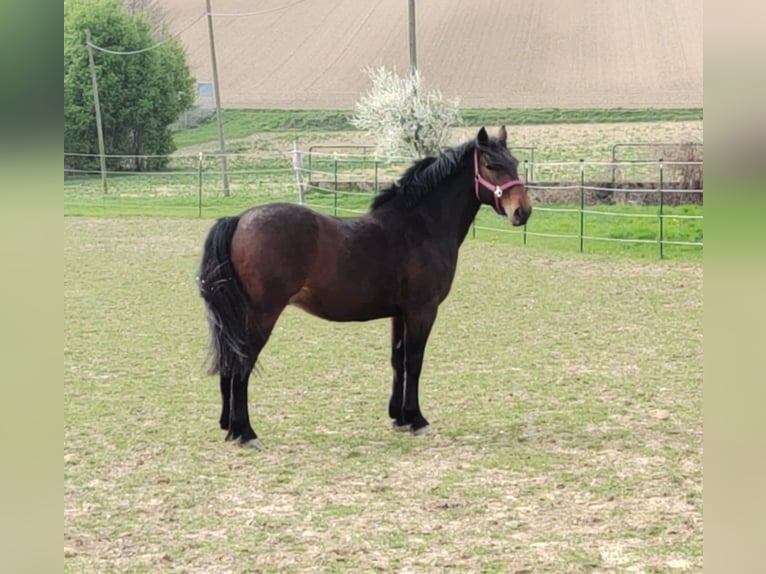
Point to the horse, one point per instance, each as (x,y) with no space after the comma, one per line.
(396,261)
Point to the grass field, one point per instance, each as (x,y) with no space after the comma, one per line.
(564,393)
(244,123)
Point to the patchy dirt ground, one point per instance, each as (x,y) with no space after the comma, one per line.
(590,53)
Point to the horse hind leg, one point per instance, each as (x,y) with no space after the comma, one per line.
(225,380)
(235,418)
(234,386)
(239,427)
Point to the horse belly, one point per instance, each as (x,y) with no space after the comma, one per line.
(340,304)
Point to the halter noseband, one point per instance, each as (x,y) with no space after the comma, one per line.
(496,190)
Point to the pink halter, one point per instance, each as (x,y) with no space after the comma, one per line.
(497,190)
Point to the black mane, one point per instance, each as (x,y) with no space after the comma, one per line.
(425,175)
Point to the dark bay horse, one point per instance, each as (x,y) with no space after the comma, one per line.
(398,261)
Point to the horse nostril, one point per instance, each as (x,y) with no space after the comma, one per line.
(521,215)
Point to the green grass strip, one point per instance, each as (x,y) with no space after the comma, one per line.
(243,123)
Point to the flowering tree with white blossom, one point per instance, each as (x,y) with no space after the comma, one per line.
(404,119)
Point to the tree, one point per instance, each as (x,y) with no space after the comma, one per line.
(141,94)
(402,116)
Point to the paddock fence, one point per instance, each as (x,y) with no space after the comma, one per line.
(630,200)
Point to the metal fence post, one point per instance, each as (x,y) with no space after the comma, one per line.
(199,185)
(526,181)
(473,223)
(335,181)
(662,211)
(375,163)
(582,202)
(311,148)
(298,168)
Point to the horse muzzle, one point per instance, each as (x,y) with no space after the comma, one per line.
(519,216)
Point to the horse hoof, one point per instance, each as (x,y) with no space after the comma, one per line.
(253,443)
(422,430)
(400,427)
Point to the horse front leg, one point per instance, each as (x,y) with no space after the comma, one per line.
(396,404)
(417,328)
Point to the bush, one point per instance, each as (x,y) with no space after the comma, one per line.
(405,119)
(141,94)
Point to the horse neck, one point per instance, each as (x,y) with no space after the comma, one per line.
(453,207)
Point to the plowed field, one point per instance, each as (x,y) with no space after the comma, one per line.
(584,53)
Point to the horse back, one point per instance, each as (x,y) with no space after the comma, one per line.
(340,269)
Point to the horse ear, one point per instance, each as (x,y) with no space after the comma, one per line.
(503,136)
(482,137)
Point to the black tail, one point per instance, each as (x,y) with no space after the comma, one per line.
(227,306)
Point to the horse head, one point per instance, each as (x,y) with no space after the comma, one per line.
(496,173)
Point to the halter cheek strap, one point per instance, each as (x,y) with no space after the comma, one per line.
(483,185)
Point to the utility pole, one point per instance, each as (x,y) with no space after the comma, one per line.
(217,92)
(413,51)
(97,105)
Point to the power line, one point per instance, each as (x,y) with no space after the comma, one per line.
(142,50)
(267,11)
(206,13)
(166,40)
